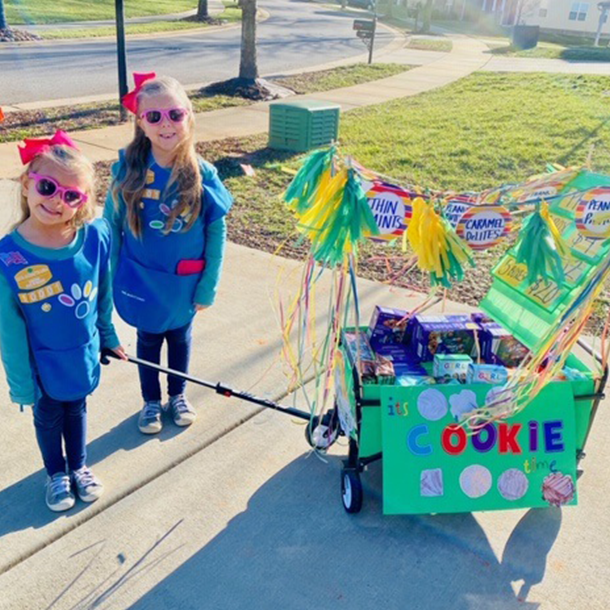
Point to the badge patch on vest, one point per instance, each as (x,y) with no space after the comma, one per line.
(13,258)
(80,299)
(150,176)
(153,194)
(35,296)
(33,277)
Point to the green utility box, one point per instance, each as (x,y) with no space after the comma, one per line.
(303,125)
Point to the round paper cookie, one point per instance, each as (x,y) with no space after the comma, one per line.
(593,213)
(482,227)
(391,206)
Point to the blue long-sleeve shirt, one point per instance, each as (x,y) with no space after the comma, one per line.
(14,346)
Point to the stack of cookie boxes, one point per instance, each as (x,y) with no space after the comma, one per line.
(432,461)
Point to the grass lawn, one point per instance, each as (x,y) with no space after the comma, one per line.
(430,44)
(551,46)
(44,11)
(33,123)
(230,14)
(485,130)
(344,76)
(136,28)
(547,50)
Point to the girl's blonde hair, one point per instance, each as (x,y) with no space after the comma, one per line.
(185,170)
(71,161)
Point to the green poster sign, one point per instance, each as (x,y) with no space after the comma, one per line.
(432,465)
(530,310)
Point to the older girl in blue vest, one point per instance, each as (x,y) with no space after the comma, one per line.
(167,209)
(55,309)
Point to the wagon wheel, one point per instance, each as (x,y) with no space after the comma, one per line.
(351,491)
(322,435)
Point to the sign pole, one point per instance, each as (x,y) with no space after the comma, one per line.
(372,42)
(121,55)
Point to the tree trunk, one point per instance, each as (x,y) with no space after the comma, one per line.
(427,17)
(202,10)
(3,24)
(248,67)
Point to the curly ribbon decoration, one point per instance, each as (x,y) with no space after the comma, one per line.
(440,251)
(541,248)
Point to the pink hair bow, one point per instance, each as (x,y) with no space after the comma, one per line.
(33,147)
(130,100)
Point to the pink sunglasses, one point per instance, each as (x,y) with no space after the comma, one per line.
(175,115)
(48,187)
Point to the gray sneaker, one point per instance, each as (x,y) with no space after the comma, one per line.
(88,487)
(149,421)
(181,410)
(58,495)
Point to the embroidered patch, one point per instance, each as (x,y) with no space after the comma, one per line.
(35,296)
(151,194)
(13,258)
(33,277)
(80,299)
(150,176)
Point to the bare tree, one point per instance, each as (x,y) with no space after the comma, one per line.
(427,18)
(3,24)
(248,65)
(202,10)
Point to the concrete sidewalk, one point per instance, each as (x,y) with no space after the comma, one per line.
(466,57)
(551,66)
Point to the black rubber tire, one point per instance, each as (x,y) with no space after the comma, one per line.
(351,491)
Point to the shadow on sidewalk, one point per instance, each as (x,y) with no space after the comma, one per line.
(295,548)
(22,504)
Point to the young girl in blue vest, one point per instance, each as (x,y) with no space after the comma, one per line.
(55,309)
(167,210)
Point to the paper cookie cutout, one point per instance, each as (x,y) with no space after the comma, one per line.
(462,404)
(391,206)
(558,489)
(484,226)
(475,481)
(431,483)
(513,484)
(432,405)
(593,214)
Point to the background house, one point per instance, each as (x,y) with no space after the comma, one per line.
(551,15)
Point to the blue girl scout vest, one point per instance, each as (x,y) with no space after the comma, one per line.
(157,274)
(58,299)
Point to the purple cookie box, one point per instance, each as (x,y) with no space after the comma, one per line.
(382,328)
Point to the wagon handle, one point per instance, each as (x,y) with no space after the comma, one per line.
(220,388)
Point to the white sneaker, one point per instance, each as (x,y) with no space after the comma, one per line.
(149,421)
(181,410)
(88,487)
(58,495)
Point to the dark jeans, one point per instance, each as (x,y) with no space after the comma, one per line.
(55,420)
(178,356)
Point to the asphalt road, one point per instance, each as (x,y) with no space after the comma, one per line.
(298,34)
